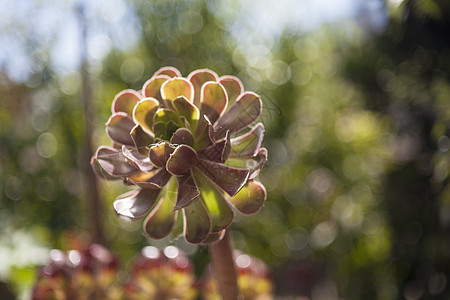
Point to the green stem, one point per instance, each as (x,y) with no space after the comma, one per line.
(223,266)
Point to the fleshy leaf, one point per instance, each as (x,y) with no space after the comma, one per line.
(139,160)
(152,88)
(135,204)
(198,78)
(113,162)
(141,139)
(125,102)
(213,100)
(176,87)
(119,127)
(219,211)
(187,110)
(214,237)
(165,115)
(244,111)
(233,86)
(181,160)
(197,223)
(160,153)
(204,133)
(249,143)
(187,190)
(151,180)
(219,151)
(230,179)
(182,136)
(144,111)
(168,71)
(160,221)
(98,169)
(254,163)
(250,198)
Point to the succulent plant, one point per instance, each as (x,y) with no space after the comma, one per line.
(189,148)
(88,274)
(253,280)
(163,275)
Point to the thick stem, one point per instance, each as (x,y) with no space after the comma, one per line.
(223,267)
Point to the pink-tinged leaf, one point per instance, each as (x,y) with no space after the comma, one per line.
(177,87)
(141,139)
(254,163)
(230,179)
(125,101)
(152,87)
(249,143)
(219,211)
(138,160)
(151,180)
(187,110)
(187,190)
(250,198)
(198,78)
(233,86)
(242,113)
(219,151)
(144,111)
(113,162)
(214,237)
(197,223)
(213,100)
(181,160)
(168,71)
(160,221)
(182,136)
(99,171)
(135,204)
(119,127)
(160,153)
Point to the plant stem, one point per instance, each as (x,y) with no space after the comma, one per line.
(223,266)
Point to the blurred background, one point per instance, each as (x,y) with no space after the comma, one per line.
(356,97)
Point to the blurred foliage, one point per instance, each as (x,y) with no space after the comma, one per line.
(357,127)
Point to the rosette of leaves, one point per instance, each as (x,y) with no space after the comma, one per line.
(88,274)
(192,150)
(253,280)
(163,275)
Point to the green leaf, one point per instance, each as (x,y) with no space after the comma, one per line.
(214,237)
(197,223)
(213,100)
(198,78)
(250,198)
(177,87)
(242,113)
(160,221)
(119,127)
(144,111)
(219,211)
(249,143)
(187,110)
(233,86)
(125,102)
(135,204)
(165,115)
(181,160)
